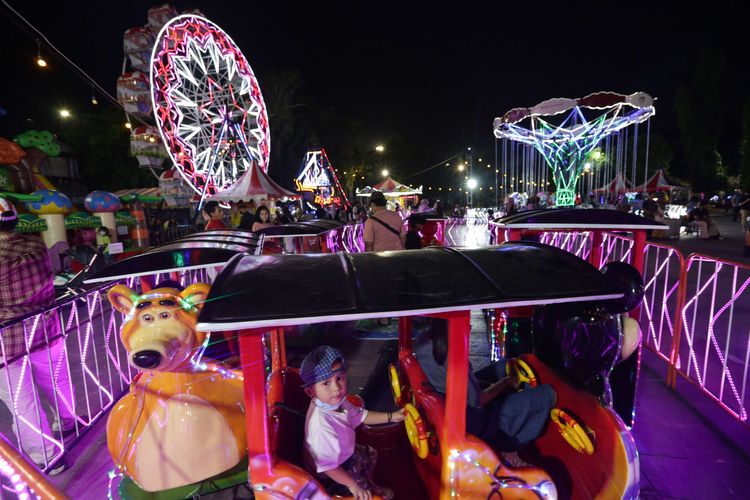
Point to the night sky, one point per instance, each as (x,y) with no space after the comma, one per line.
(434,77)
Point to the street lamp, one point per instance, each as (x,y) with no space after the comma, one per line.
(379,148)
(384,172)
(64,113)
(471,184)
(39,59)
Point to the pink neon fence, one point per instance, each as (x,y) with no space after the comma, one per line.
(616,248)
(467,232)
(76,374)
(662,266)
(714,348)
(577,243)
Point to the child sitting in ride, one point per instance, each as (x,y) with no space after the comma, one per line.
(341,465)
(498,414)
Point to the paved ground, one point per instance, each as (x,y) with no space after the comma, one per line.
(732,247)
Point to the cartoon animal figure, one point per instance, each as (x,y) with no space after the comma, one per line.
(182,421)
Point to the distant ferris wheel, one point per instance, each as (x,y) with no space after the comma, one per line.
(208,105)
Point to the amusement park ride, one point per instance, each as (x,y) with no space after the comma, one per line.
(318,178)
(189,425)
(565,146)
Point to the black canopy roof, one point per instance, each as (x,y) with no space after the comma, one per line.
(576,218)
(308,228)
(195,251)
(279,290)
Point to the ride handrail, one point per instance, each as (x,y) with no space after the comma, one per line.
(30,475)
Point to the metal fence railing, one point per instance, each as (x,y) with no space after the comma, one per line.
(695,314)
(71,369)
(467,231)
(711,346)
(661,275)
(577,243)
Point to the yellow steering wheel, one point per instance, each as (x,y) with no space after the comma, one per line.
(522,371)
(398,395)
(572,431)
(415,429)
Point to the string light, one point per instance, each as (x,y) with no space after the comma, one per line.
(39,59)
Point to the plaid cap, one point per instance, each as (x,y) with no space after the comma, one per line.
(7,211)
(318,365)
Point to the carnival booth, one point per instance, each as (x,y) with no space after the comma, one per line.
(394,191)
(137,200)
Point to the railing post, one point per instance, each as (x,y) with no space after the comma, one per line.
(595,258)
(674,351)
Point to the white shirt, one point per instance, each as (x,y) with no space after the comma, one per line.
(329,434)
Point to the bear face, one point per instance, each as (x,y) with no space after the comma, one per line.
(159,332)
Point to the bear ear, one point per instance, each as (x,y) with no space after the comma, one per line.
(196,294)
(122,298)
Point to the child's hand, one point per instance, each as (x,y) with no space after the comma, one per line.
(398,415)
(359,492)
(513,382)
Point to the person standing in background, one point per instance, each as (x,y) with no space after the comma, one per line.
(384,230)
(27,284)
(214,216)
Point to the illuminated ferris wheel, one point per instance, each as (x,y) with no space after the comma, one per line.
(208,104)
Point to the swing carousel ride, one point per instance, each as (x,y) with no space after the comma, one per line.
(563,134)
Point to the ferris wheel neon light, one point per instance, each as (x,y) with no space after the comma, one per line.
(208,105)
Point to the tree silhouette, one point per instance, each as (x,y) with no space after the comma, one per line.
(698,106)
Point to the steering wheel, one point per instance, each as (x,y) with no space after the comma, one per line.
(522,371)
(572,431)
(398,395)
(416,431)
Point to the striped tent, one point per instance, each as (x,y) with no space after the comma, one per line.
(254,183)
(620,184)
(659,182)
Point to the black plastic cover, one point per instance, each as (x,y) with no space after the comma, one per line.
(255,291)
(576,218)
(195,251)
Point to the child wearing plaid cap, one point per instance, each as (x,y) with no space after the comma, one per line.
(341,465)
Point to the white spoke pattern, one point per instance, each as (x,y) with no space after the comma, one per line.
(201,85)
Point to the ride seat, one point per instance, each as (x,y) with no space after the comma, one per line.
(288,416)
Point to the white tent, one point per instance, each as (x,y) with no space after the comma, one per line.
(254,184)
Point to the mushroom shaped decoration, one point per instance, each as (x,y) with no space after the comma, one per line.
(51,208)
(104,204)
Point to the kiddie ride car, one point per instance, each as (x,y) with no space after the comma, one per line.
(585,452)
